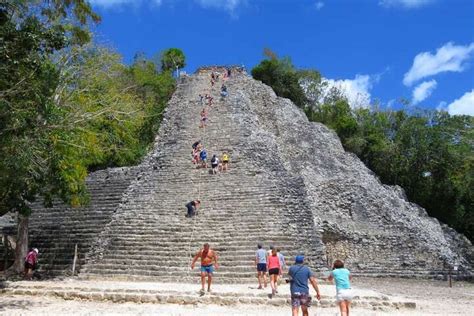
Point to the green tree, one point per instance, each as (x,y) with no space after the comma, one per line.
(173,59)
(32,31)
(282,76)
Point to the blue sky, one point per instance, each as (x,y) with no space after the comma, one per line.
(422,50)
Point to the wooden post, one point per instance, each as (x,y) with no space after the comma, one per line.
(450,279)
(5,261)
(21,249)
(74,260)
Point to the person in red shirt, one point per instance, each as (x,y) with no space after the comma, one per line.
(273,266)
(31,260)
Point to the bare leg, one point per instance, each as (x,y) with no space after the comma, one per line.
(29,274)
(305,310)
(203,280)
(343,308)
(272,283)
(348,305)
(294,311)
(259,276)
(264,279)
(209,281)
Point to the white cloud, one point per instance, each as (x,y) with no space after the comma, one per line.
(423,91)
(115,3)
(442,106)
(228,5)
(463,105)
(390,103)
(449,57)
(357,90)
(408,4)
(319,5)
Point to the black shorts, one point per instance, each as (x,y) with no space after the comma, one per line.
(214,166)
(274,271)
(30,266)
(225,162)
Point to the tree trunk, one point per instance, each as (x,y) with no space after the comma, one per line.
(21,249)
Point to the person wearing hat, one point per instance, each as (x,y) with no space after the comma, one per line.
(299,275)
(30,263)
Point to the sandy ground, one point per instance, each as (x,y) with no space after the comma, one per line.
(432,298)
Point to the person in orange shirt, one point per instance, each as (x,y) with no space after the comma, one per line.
(208,262)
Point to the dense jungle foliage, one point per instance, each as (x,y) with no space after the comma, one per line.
(67,105)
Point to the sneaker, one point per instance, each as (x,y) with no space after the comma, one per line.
(202,292)
(260,288)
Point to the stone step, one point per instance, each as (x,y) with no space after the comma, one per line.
(250,247)
(166,295)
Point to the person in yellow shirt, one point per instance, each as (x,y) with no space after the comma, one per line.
(225,161)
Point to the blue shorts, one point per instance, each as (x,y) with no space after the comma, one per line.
(261,267)
(208,269)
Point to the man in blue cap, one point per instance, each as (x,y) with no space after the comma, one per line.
(299,277)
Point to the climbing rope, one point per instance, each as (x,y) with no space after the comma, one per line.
(194,218)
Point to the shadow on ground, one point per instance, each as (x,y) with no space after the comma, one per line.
(12,303)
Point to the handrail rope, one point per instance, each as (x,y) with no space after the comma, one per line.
(199,198)
(194,219)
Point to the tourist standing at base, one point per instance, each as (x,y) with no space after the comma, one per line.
(299,275)
(261,263)
(31,260)
(281,257)
(274,268)
(342,278)
(208,262)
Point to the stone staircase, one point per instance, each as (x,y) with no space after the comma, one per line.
(290,184)
(149,237)
(57,230)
